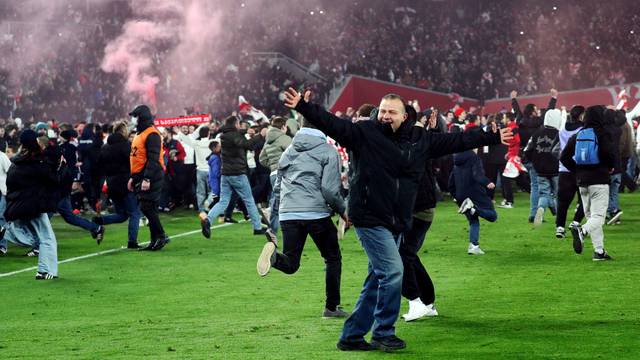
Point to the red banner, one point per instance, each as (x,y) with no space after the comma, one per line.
(183,120)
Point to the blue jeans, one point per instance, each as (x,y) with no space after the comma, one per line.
(614,188)
(126,208)
(274,204)
(65,210)
(3,207)
(239,183)
(547,191)
(35,233)
(202,189)
(488,214)
(379,301)
(533,196)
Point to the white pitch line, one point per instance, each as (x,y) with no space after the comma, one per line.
(106,251)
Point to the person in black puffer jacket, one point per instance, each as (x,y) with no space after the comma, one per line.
(32,192)
(113,162)
(388,162)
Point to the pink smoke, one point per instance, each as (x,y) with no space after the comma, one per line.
(130,55)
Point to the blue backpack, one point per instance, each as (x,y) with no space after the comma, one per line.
(586,148)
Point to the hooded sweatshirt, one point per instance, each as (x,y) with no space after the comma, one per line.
(467,180)
(543,149)
(597,174)
(309,178)
(569,129)
(276,143)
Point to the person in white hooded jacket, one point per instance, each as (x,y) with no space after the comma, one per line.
(202,152)
(543,151)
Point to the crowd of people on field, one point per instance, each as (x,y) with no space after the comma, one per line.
(487,50)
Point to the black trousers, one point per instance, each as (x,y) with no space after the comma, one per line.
(567,189)
(149,209)
(493,171)
(325,236)
(416,282)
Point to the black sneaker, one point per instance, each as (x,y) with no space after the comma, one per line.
(337,313)
(32,253)
(578,238)
(614,217)
(99,234)
(262,231)
(601,257)
(230,220)
(3,251)
(354,345)
(160,243)
(206,227)
(388,343)
(133,246)
(531,218)
(149,247)
(45,276)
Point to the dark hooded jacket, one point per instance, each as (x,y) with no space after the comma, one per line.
(32,187)
(234,151)
(528,124)
(387,165)
(153,170)
(113,163)
(592,174)
(467,180)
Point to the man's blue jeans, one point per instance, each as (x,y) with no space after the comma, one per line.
(240,184)
(379,301)
(202,188)
(614,189)
(547,192)
(35,233)
(533,196)
(65,210)
(126,208)
(488,214)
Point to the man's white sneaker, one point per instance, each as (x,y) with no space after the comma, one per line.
(560,233)
(537,220)
(417,310)
(466,205)
(475,250)
(265,259)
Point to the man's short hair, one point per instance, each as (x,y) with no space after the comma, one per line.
(231,121)
(394,97)
(306,123)
(365,110)
(278,122)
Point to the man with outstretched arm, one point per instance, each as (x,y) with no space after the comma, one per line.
(389,156)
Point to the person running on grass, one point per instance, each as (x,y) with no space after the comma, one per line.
(308,181)
(388,160)
(591,154)
(469,185)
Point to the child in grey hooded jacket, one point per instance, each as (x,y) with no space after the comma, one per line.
(308,190)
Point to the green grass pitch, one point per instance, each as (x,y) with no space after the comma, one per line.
(529,297)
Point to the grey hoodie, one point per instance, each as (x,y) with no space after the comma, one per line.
(309,176)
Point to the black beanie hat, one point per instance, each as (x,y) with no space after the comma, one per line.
(143,113)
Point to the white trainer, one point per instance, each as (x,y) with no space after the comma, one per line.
(417,310)
(466,205)
(264,261)
(537,220)
(475,250)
